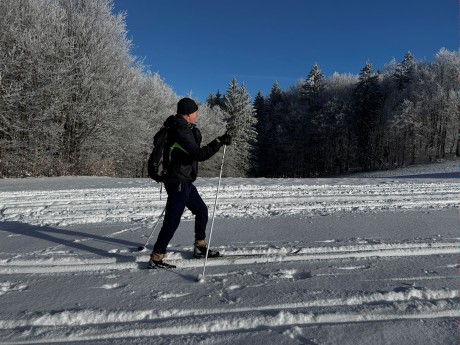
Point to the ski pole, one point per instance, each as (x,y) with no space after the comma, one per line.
(141,248)
(201,278)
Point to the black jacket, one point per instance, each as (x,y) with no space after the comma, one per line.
(183,150)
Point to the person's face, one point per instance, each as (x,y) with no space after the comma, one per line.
(192,117)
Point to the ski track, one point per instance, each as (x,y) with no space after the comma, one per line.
(80,206)
(91,325)
(248,256)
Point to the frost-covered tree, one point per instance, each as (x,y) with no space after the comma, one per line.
(241,122)
(261,115)
(211,121)
(73,100)
(440,104)
(129,139)
(97,59)
(405,70)
(31,86)
(313,89)
(422,122)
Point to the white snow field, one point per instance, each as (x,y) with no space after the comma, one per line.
(366,259)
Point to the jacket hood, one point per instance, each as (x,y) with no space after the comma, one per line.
(170,121)
(175,120)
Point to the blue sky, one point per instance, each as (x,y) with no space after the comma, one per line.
(198,46)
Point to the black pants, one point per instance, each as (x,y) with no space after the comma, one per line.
(181,196)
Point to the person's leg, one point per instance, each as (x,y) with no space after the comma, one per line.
(200,210)
(175,205)
(197,206)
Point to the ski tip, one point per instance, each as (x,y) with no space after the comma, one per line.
(200,279)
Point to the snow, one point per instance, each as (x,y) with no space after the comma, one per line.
(363,259)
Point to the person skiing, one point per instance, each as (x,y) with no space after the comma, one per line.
(184,151)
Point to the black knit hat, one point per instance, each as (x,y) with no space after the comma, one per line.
(186,106)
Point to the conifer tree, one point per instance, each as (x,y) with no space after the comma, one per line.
(271,133)
(313,88)
(219,100)
(274,99)
(405,71)
(210,101)
(367,101)
(241,123)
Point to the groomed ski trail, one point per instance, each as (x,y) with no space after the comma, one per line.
(230,257)
(84,206)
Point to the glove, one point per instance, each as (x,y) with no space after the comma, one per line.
(226,139)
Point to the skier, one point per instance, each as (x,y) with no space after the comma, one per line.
(184,153)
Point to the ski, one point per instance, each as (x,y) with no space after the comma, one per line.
(160,265)
(164,265)
(215,255)
(212,254)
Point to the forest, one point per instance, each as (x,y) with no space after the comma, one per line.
(75,101)
(406,114)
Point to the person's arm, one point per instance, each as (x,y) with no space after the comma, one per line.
(188,143)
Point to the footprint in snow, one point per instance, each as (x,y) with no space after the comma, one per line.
(291,274)
(352,268)
(6,287)
(119,251)
(302,275)
(405,287)
(166,295)
(110,286)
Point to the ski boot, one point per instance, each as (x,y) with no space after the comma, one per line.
(200,249)
(156,261)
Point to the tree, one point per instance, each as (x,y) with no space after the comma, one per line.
(211,121)
(268,130)
(219,100)
(259,106)
(367,102)
(313,88)
(216,100)
(210,101)
(404,73)
(30,86)
(241,122)
(261,116)
(445,99)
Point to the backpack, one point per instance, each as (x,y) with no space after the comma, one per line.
(157,165)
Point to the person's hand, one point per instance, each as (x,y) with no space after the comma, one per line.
(226,139)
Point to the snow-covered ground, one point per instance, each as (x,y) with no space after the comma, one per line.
(366,259)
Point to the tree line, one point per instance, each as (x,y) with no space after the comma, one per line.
(75,101)
(407,113)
